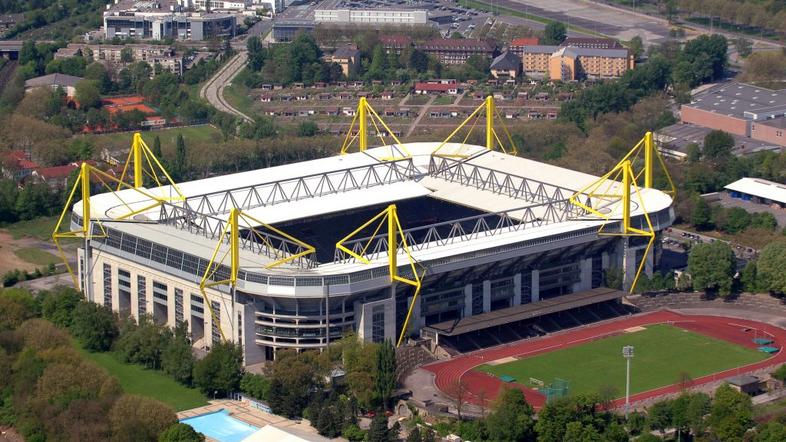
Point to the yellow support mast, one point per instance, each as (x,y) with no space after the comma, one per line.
(395,233)
(140,156)
(363,114)
(232,231)
(493,140)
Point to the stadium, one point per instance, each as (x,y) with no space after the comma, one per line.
(439,240)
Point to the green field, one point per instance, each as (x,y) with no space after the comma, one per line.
(39,228)
(122,141)
(36,256)
(155,384)
(662,352)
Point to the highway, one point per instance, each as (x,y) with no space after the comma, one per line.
(213,90)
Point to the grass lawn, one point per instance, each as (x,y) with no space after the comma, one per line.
(662,353)
(122,141)
(155,384)
(39,228)
(444,100)
(237,94)
(36,256)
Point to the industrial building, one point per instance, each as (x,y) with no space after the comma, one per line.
(159,20)
(475,231)
(740,109)
(351,12)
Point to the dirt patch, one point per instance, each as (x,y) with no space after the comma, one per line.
(8,434)
(8,259)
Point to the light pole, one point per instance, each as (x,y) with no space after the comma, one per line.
(627,353)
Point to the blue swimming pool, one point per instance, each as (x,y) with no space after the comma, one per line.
(221,426)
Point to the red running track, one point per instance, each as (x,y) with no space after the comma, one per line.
(484,387)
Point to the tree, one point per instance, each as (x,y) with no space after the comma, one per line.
(180,432)
(457,390)
(220,371)
(736,220)
(511,418)
(177,360)
(379,431)
(659,416)
(57,306)
(772,431)
(16,306)
(139,419)
(555,33)
(780,373)
(555,416)
(95,326)
(744,46)
(307,129)
(157,148)
(385,373)
(418,60)
(255,385)
(126,55)
(636,47)
(711,267)
(731,414)
(717,145)
(97,72)
(769,267)
(87,94)
(701,217)
(181,158)
(256,53)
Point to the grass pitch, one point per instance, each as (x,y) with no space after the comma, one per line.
(662,353)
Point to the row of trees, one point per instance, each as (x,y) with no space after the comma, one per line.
(51,392)
(713,267)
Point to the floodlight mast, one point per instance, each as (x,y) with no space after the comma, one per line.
(627,353)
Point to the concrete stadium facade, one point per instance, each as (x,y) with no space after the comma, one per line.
(492,231)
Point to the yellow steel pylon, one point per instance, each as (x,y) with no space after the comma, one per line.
(395,233)
(88,174)
(139,151)
(492,138)
(232,231)
(363,114)
(647,146)
(607,203)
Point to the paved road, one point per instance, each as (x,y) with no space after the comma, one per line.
(213,90)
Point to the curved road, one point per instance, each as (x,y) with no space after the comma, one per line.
(213,90)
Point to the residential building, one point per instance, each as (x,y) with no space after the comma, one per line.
(517,44)
(506,66)
(568,63)
(395,43)
(740,109)
(438,86)
(66,82)
(16,165)
(456,50)
(163,56)
(592,43)
(348,57)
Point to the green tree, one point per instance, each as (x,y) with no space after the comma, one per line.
(780,373)
(88,94)
(659,416)
(16,306)
(181,157)
(139,419)
(772,431)
(157,148)
(180,432)
(737,220)
(770,267)
(97,72)
(220,371)
(307,129)
(57,306)
(511,418)
(711,267)
(731,414)
(95,326)
(717,145)
(636,47)
(385,373)
(418,60)
(555,416)
(127,55)
(379,431)
(256,53)
(697,410)
(255,385)
(701,217)
(177,360)
(555,33)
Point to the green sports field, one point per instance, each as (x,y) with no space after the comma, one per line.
(663,352)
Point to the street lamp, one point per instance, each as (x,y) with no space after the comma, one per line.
(627,353)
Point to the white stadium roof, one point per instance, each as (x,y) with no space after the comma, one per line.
(212,191)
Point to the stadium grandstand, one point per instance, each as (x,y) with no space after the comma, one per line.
(443,240)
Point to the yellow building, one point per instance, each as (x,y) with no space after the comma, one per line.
(348,57)
(568,63)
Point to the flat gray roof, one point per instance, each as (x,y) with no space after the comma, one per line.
(734,99)
(678,136)
(526,311)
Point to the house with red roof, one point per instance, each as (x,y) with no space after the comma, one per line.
(16,165)
(439,86)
